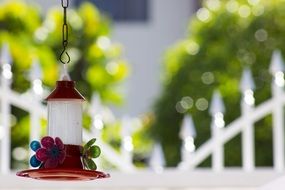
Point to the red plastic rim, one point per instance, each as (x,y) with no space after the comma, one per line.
(63,174)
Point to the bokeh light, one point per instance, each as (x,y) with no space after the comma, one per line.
(244,11)
(202,104)
(208,78)
(203,14)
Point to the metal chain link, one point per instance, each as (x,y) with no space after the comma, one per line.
(65,4)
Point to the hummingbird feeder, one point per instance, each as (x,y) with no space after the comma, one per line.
(60,155)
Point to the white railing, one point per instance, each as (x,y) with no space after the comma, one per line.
(191,157)
(244,124)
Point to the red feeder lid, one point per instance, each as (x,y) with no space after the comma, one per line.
(65,90)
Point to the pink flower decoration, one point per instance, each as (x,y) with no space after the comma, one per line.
(52,152)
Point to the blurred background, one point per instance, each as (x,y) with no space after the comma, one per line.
(176,90)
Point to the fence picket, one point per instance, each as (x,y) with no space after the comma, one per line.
(276,69)
(6,141)
(187,134)
(216,110)
(247,87)
(5,61)
(127,142)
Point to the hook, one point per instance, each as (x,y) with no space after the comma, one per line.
(61,57)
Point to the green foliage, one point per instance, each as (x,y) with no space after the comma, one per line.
(89,144)
(142,142)
(96,63)
(225,37)
(90,151)
(94,151)
(89,164)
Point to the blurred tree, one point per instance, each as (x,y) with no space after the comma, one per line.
(225,37)
(96,62)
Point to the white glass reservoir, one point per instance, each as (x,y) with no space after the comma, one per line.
(65,113)
(65,120)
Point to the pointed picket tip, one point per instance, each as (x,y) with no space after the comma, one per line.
(157,160)
(36,71)
(5,55)
(277,63)
(187,128)
(97,108)
(95,105)
(217,104)
(247,82)
(95,101)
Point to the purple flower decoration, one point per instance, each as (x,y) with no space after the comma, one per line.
(52,152)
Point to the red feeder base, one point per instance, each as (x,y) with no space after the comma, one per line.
(60,174)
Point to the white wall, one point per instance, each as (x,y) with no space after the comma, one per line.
(145,44)
(46,4)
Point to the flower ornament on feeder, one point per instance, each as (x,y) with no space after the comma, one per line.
(60,155)
(50,153)
(34,162)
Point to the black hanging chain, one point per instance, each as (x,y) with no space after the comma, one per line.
(65,4)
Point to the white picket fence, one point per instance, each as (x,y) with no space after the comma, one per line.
(191,157)
(244,124)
